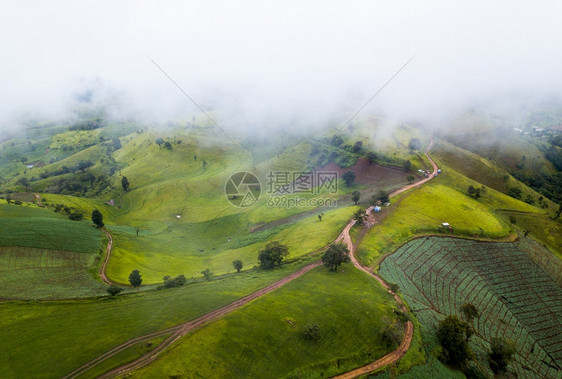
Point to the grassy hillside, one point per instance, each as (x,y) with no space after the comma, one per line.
(71,333)
(266,336)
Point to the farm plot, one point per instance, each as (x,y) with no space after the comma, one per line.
(515,297)
(30,273)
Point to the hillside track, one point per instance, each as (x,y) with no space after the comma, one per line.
(179,331)
(103,267)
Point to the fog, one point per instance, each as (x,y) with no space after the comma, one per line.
(289,63)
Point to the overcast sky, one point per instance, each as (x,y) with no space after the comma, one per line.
(278,59)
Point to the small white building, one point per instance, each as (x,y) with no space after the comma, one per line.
(377,209)
(445,224)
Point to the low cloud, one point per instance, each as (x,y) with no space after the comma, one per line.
(276,64)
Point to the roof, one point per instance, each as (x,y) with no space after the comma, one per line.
(445,224)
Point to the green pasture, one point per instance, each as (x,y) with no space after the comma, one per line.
(349,307)
(71,333)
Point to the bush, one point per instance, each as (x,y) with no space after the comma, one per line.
(114,290)
(312,332)
(76,216)
(178,281)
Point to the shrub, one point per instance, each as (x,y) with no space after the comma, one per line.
(312,332)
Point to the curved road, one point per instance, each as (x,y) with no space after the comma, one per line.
(178,331)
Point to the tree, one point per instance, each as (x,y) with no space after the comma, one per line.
(411,178)
(372,157)
(167,145)
(273,254)
(311,332)
(125,183)
(383,196)
(237,265)
(320,215)
(8,198)
(24,182)
(471,190)
(360,216)
(501,354)
(207,274)
(178,281)
(335,255)
(357,146)
(336,141)
(407,165)
(135,278)
(76,216)
(348,178)
(451,335)
(159,142)
(355,196)
(113,290)
(515,192)
(97,218)
(469,313)
(415,144)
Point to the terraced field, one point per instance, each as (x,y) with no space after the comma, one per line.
(30,273)
(515,297)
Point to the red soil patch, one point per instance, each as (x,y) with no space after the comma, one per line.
(369,174)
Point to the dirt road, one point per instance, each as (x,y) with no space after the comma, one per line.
(178,331)
(103,267)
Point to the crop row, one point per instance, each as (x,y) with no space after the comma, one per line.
(515,297)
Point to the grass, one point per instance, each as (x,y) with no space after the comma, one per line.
(71,333)
(30,226)
(29,273)
(422,211)
(177,252)
(266,335)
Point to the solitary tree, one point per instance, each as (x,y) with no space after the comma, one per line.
(24,182)
(501,354)
(320,215)
(371,157)
(383,196)
(335,255)
(357,146)
(411,178)
(237,265)
(360,217)
(159,142)
(355,196)
(348,178)
(97,218)
(135,278)
(273,254)
(125,183)
(452,336)
(407,165)
(167,145)
(415,144)
(114,290)
(311,332)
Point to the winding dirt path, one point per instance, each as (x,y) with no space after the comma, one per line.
(345,237)
(179,331)
(103,267)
